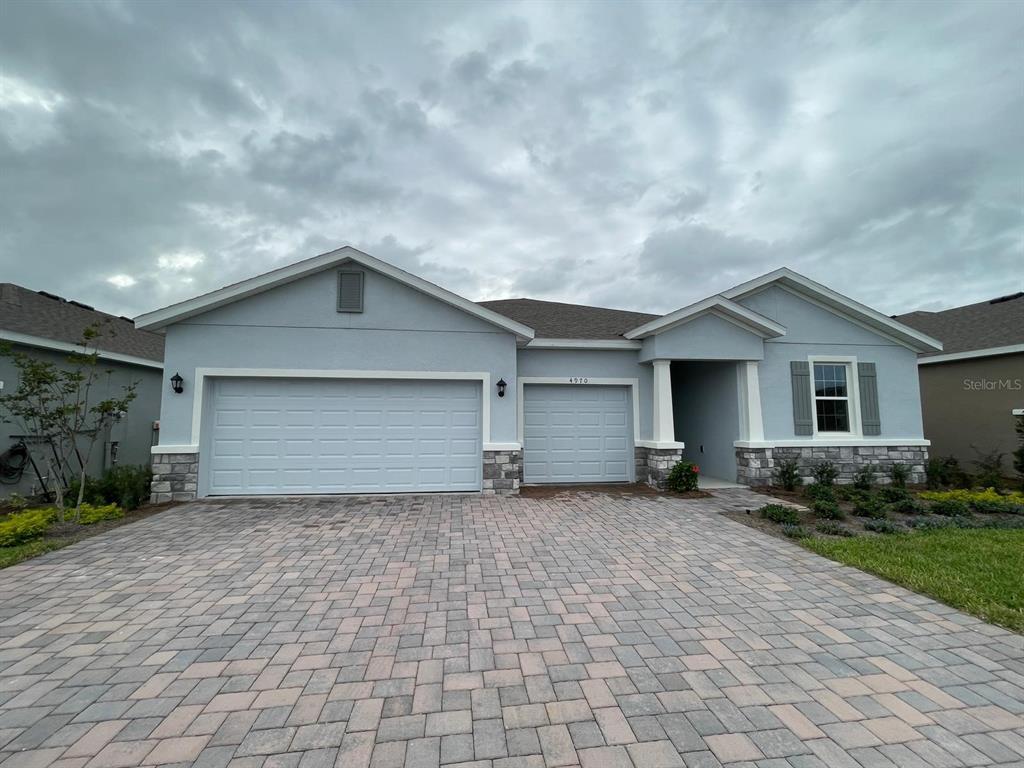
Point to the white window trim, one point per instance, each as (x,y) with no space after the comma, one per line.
(633,384)
(202,374)
(853,397)
(877,442)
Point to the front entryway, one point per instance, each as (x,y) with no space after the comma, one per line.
(577,434)
(298,436)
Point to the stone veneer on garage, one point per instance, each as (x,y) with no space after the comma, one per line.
(654,464)
(756,466)
(503,472)
(175,477)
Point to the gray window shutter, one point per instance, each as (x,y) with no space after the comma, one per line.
(803,410)
(350,291)
(870,418)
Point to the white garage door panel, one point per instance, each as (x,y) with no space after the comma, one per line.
(285,436)
(577,434)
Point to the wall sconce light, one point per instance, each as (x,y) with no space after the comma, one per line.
(177,383)
(501,387)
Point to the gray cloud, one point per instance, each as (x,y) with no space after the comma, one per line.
(639,156)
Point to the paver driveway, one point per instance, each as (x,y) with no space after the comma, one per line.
(594,629)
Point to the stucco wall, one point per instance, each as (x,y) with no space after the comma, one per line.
(812,330)
(968,404)
(614,364)
(134,434)
(296,326)
(706,412)
(706,338)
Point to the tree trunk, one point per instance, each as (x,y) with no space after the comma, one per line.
(81,495)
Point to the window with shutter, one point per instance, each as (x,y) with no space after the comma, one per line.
(350,291)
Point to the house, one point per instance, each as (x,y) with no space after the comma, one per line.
(49,328)
(345,374)
(970,390)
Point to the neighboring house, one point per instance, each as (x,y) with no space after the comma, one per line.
(49,328)
(345,374)
(970,390)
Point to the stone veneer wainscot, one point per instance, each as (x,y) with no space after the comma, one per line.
(654,464)
(756,466)
(503,472)
(175,477)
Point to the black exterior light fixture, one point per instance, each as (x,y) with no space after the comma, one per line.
(177,383)
(501,387)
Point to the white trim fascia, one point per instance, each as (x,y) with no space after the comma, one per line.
(874,442)
(202,374)
(65,346)
(852,396)
(1018,411)
(633,384)
(503,446)
(664,445)
(184,309)
(174,449)
(621,344)
(990,352)
(838,304)
(726,309)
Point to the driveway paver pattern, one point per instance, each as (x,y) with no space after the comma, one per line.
(593,630)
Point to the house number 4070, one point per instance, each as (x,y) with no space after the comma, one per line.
(578,380)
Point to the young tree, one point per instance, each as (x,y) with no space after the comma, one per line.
(56,403)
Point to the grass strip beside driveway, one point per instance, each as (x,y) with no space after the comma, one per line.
(979,571)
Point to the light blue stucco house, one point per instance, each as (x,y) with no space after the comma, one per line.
(345,374)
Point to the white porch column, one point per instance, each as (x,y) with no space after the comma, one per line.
(664,424)
(749,391)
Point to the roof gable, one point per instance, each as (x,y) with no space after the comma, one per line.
(182,310)
(728,310)
(838,304)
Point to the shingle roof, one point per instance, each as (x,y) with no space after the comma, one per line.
(50,317)
(555,320)
(987,324)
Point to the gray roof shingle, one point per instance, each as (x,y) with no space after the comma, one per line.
(995,323)
(555,320)
(51,317)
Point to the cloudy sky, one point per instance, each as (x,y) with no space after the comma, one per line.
(618,154)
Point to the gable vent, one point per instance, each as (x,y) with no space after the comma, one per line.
(350,291)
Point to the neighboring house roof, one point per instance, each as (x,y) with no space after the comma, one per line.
(161,318)
(980,328)
(555,320)
(40,319)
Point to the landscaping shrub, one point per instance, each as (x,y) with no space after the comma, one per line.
(882,526)
(787,474)
(683,477)
(864,478)
(828,510)
(794,531)
(127,486)
(825,473)
(899,473)
(779,514)
(868,506)
(90,513)
(990,469)
(945,472)
(819,492)
(24,526)
(988,499)
(907,505)
(951,508)
(893,493)
(832,528)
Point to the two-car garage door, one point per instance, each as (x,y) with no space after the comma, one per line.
(300,436)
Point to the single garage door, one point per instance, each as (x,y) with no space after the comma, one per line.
(294,436)
(577,434)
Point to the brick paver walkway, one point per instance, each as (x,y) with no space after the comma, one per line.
(590,630)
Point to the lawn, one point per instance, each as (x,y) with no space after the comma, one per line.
(16,554)
(979,571)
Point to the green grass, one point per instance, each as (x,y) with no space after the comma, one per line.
(13,555)
(980,571)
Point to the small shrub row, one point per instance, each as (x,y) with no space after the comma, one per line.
(24,526)
(90,514)
(882,526)
(792,531)
(832,528)
(828,510)
(127,486)
(986,500)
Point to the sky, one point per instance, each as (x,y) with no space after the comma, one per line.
(631,155)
